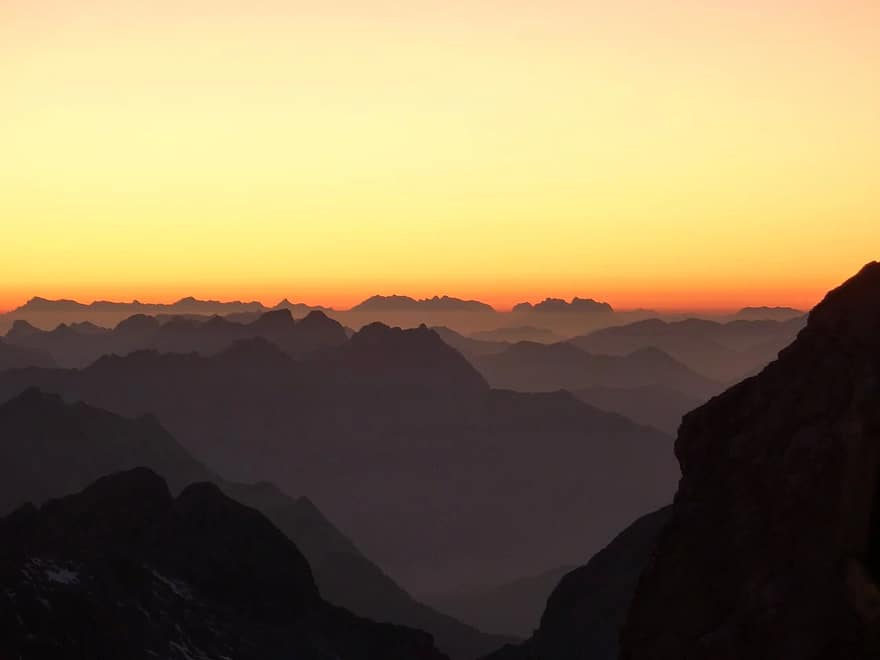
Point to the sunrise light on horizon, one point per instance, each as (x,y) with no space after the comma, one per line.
(687,155)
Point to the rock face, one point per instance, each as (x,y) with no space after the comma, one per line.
(773,550)
(586,610)
(124,570)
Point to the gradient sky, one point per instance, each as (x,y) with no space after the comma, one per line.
(657,153)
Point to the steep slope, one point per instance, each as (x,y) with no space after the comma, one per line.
(124,570)
(443,482)
(585,612)
(530,367)
(50,449)
(772,550)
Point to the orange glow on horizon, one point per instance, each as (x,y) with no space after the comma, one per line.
(697,155)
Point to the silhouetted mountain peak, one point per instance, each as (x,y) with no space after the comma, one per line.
(21,329)
(278,320)
(136,324)
(852,310)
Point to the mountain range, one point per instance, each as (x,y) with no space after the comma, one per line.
(457,492)
(80,344)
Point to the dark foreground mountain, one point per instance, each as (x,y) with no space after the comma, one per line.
(443,481)
(724,352)
(49,449)
(125,570)
(531,367)
(772,550)
(80,344)
(585,612)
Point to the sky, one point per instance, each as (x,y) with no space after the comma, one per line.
(652,153)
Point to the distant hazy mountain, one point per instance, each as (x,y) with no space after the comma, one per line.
(80,344)
(187,305)
(125,570)
(773,547)
(405,303)
(519,333)
(513,608)
(725,352)
(469,346)
(49,449)
(579,305)
(17,357)
(443,481)
(653,405)
(529,366)
(769,313)
(587,610)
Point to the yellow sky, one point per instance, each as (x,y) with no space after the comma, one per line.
(658,153)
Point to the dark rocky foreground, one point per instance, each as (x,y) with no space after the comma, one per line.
(773,550)
(124,570)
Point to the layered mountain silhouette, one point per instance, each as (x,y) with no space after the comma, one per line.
(80,344)
(587,609)
(406,304)
(49,448)
(124,569)
(725,352)
(445,482)
(772,550)
(529,366)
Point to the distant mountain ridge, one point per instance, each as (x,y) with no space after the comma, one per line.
(529,366)
(79,344)
(559,305)
(399,303)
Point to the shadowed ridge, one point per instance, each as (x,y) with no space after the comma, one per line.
(278,320)
(21,329)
